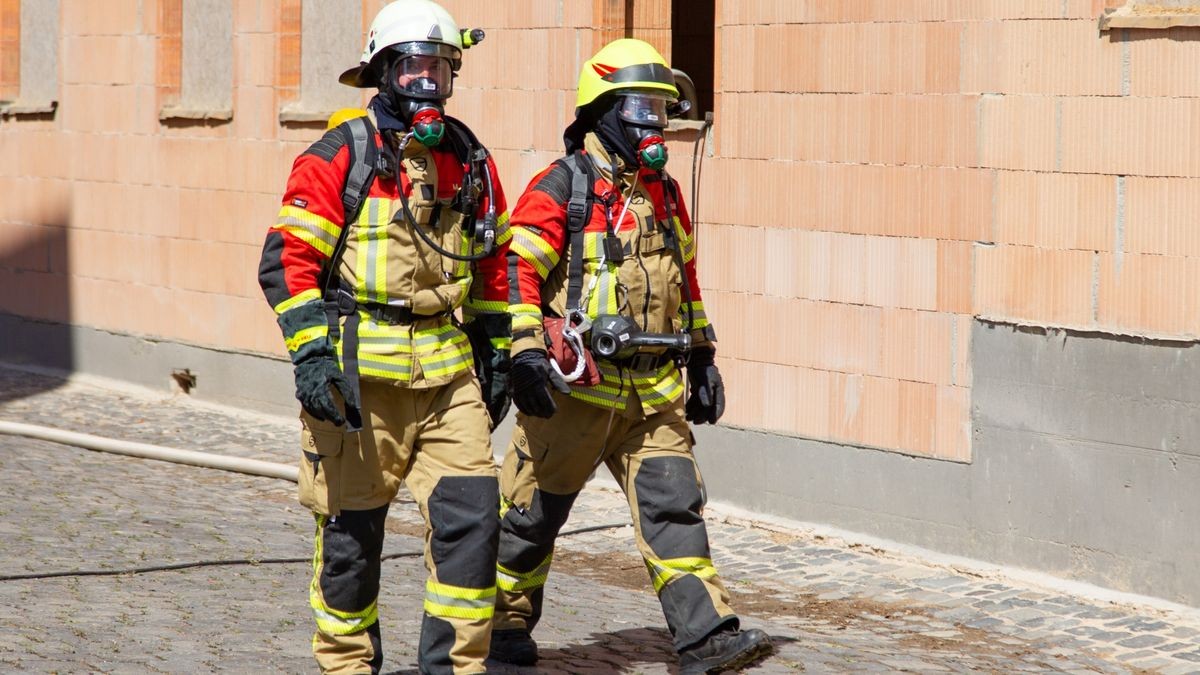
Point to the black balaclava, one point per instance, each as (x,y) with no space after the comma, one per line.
(611,130)
(619,137)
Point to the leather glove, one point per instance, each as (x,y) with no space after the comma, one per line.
(527,381)
(706,403)
(491,364)
(313,379)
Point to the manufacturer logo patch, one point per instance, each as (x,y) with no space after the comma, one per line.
(299,202)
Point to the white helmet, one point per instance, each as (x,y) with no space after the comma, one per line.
(408,27)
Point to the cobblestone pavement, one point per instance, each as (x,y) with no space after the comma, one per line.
(830,606)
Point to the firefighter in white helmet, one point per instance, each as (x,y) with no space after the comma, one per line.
(391,223)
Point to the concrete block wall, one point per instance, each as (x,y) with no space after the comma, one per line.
(921,163)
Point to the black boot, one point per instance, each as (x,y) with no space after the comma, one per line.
(727,649)
(515,646)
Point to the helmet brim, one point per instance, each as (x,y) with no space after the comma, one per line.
(356,77)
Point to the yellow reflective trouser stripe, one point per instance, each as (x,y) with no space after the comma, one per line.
(666,571)
(513,582)
(305,336)
(331,621)
(456,602)
(534,250)
(297,300)
(318,232)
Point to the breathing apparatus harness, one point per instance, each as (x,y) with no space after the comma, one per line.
(614,338)
(366,162)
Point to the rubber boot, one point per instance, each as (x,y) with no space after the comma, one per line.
(515,646)
(724,650)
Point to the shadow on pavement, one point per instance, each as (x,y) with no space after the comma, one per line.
(35,307)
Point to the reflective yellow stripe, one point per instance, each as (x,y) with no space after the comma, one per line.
(687,244)
(305,336)
(318,232)
(699,318)
(525,317)
(514,582)
(456,602)
(298,299)
(664,572)
(331,621)
(501,342)
(534,250)
(370,265)
(486,305)
(503,231)
(664,387)
(447,364)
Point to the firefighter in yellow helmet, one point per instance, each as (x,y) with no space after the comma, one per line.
(608,321)
(391,223)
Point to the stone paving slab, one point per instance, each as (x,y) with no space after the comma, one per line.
(831,606)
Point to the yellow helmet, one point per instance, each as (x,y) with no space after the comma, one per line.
(342,115)
(624,64)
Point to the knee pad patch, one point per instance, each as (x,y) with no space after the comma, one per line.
(532,531)
(466,530)
(669,504)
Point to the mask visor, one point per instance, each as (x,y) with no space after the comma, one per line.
(424,76)
(645,109)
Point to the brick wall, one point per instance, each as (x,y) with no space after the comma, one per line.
(881,172)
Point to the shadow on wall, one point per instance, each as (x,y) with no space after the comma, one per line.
(35,306)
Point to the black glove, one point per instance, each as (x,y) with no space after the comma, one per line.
(706,403)
(527,380)
(491,364)
(314,375)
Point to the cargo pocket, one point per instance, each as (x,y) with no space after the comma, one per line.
(320,484)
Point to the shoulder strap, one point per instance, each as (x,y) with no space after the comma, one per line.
(579,211)
(669,197)
(359,136)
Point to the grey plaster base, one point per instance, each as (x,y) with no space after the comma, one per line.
(1086,451)
(1085,466)
(243,381)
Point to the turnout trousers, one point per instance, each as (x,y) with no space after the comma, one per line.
(650,457)
(437,442)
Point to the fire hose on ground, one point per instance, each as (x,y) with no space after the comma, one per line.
(207,460)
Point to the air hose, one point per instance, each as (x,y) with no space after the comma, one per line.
(207,460)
